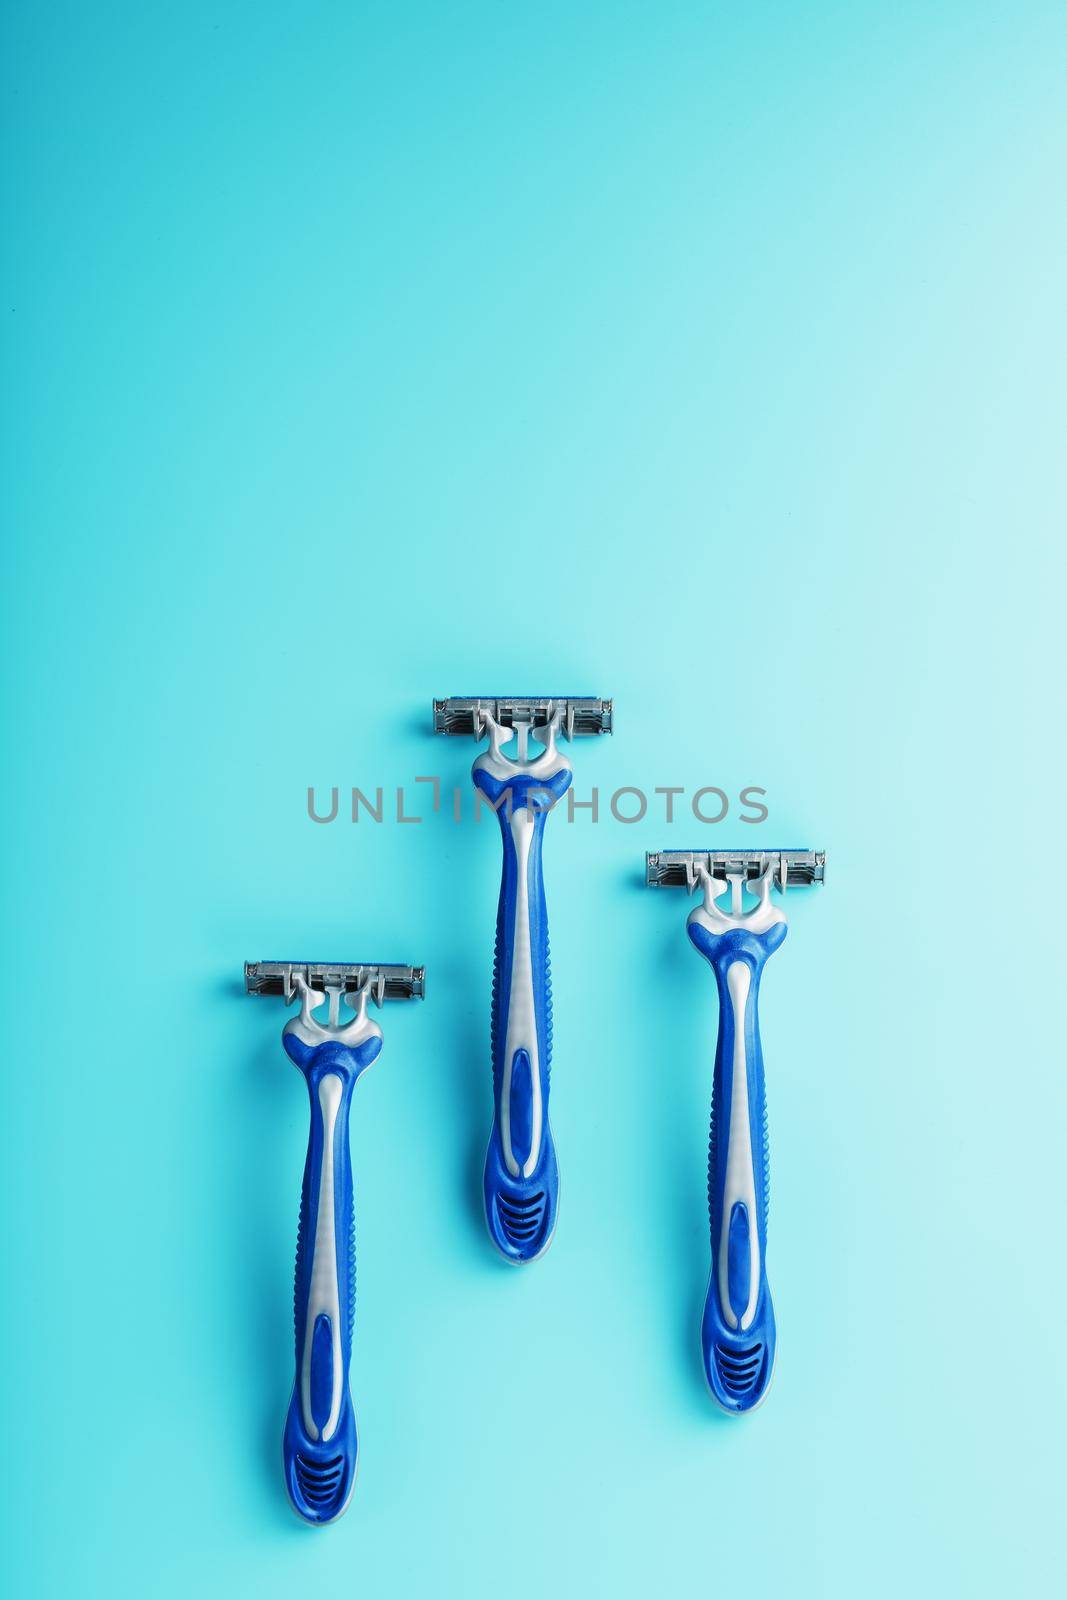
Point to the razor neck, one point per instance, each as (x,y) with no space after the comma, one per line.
(310,1031)
(716,919)
(547,764)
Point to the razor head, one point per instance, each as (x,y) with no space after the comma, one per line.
(382,981)
(578,714)
(679,869)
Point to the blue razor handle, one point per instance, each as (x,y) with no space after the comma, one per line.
(738,1332)
(521,1182)
(320,1444)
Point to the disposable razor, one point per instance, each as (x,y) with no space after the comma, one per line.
(738,1330)
(331,1046)
(521,1183)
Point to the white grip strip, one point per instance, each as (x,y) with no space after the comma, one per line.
(740,1182)
(323,1297)
(522,1016)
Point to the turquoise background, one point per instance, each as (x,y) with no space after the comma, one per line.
(709,357)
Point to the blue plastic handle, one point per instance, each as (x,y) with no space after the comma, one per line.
(521,1183)
(738,1331)
(320,1444)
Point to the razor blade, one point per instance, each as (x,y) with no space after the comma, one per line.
(684,869)
(572,714)
(381,981)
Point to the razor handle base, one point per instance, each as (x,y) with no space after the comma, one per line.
(521,1178)
(738,1336)
(320,1444)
